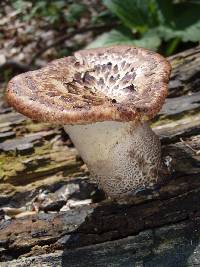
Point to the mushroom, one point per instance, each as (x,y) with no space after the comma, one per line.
(104,98)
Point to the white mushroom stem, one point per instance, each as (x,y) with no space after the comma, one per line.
(122,157)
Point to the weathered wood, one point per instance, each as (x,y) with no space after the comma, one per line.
(177,105)
(169,246)
(41,157)
(174,130)
(185,76)
(96,223)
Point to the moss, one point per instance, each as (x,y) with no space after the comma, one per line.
(11,164)
(177,61)
(37,126)
(168,119)
(46,160)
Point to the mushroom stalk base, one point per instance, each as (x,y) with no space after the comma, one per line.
(122,157)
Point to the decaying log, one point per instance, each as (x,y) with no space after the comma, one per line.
(169,246)
(160,227)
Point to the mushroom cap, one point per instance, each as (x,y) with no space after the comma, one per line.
(119,83)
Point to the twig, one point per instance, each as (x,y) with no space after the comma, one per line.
(197,152)
(72,34)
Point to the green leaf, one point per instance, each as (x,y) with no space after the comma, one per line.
(36,10)
(135,14)
(74,13)
(186,23)
(20,5)
(150,40)
(186,14)
(173,19)
(59,4)
(113,37)
(191,33)
(165,11)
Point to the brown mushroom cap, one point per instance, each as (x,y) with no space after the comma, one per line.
(119,83)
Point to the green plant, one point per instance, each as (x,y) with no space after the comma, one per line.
(152,23)
(52,11)
(74,13)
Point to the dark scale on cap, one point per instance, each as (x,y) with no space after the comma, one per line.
(130,88)
(93,85)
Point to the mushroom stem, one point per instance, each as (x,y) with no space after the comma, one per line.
(123,157)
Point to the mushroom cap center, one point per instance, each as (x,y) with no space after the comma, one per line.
(114,76)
